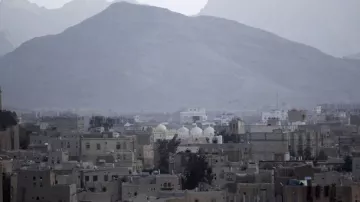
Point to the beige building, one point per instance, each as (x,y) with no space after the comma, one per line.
(149,185)
(42,185)
(250,192)
(322,193)
(123,148)
(194,196)
(305,138)
(9,131)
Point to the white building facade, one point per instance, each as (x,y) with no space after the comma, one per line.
(192,115)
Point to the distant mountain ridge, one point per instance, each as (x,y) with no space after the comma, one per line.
(132,58)
(5,45)
(355,56)
(329,25)
(24,20)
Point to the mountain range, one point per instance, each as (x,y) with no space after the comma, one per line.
(23,20)
(134,57)
(329,25)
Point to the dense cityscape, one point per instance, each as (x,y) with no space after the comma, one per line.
(179,101)
(188,156)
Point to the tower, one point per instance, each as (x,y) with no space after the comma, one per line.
(0,100)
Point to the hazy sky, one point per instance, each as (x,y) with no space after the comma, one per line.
(188,7)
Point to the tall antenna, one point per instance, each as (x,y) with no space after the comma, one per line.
(277,101)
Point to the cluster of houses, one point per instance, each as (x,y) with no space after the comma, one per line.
(288,156)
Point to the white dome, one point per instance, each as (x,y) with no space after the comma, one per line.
(183,131)
(209,131)
(161,128)
(196,131)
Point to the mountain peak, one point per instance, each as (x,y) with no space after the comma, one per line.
(133,58)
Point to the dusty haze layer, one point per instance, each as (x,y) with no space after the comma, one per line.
(132,57)
(329,25)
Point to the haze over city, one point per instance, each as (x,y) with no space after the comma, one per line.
(180,101)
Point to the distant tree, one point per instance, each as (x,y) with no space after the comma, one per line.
(207,140)
(97,121)
(164,149)
(24,137)
(197,171)
(322,156)
(347,166)
(307,154)
(101,121)
(291,151)
(214,140)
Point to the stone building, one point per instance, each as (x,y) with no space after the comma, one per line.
(321,193)
(149,185)
(41,185)
(122,148)
(9,130)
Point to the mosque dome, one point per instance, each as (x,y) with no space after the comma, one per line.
(161,128)
(183,131)
(196,131)
(209,131)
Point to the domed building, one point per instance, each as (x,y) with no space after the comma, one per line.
(161,128)
(209,132)
(196,131)
(183,132)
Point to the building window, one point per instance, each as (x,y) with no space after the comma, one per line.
(98,146)
(68,145)
(106,178)
(118,146)
(87,178)
(87,145)
(95,178)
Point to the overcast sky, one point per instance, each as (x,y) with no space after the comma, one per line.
(187,7)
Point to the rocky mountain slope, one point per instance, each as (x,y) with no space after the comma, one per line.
(23,20)
(329,25)
(131,57)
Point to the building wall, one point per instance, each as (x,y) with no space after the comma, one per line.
(342,193)
(93,147)
(9,138)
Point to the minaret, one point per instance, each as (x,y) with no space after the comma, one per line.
(0,100)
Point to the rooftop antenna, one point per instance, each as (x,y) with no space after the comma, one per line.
(277,101)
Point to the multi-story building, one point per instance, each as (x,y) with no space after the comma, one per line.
(306,142)
(193,115)
(41,185)
(150,185)
(281,115)
(252,192)
(317,193)
(9,130)
(122,148)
